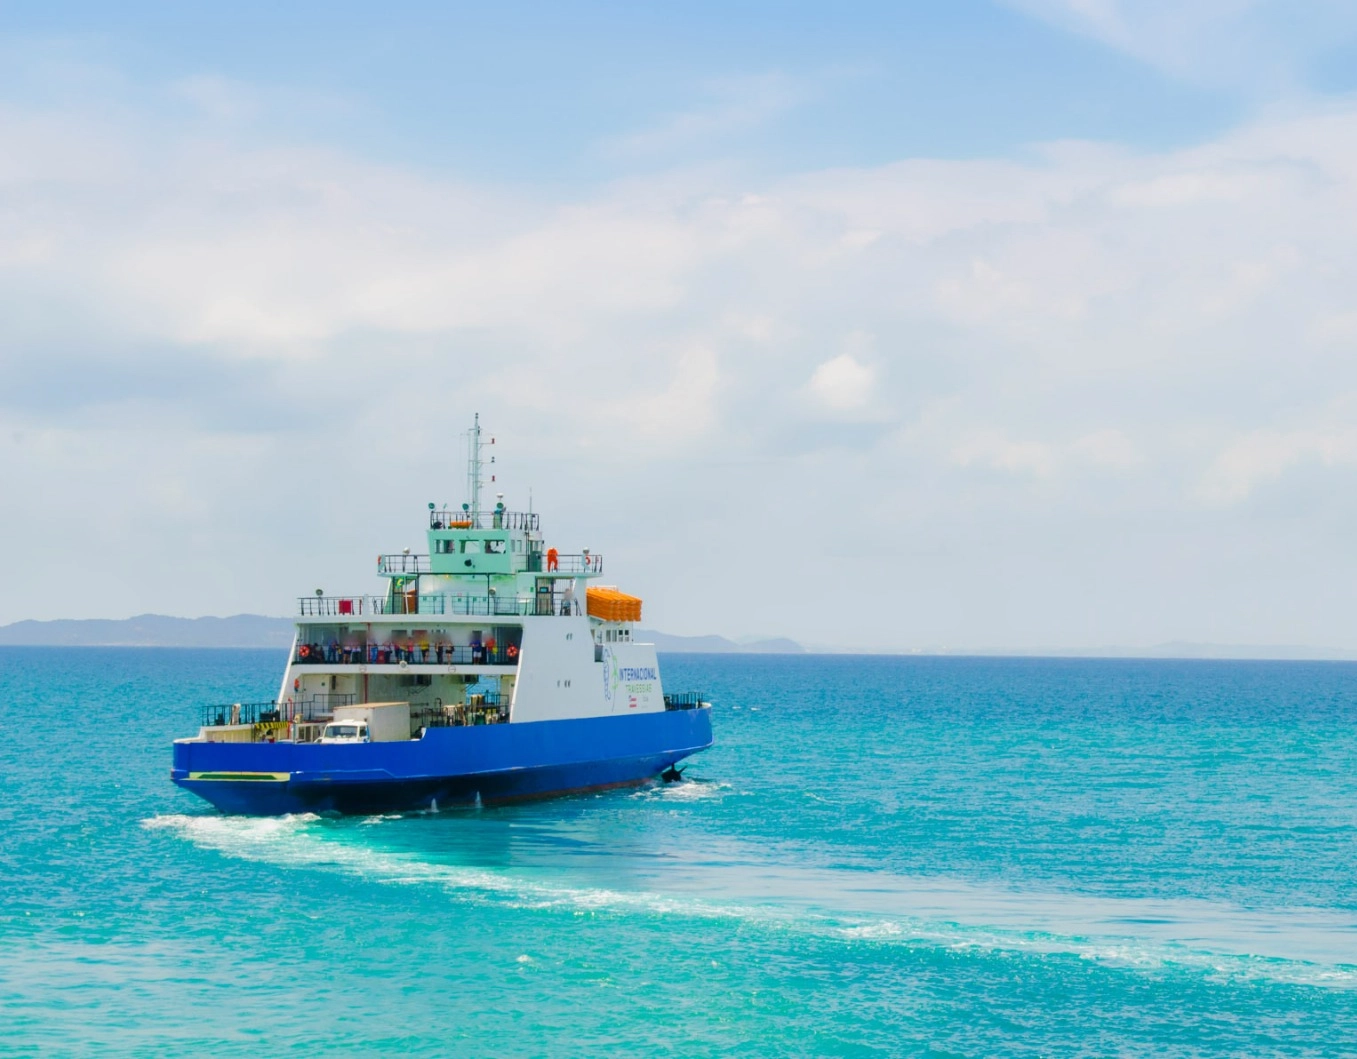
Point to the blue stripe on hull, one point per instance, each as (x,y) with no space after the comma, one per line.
(496,763)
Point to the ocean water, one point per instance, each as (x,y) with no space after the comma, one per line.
(880,856)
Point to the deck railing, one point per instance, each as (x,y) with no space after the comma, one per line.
(400,604)
(309,709)
(688,700)
(489,708)
(399,564)
(416,655)
(402,563)
(452,518)
(567,564)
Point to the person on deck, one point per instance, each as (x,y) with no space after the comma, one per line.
(553,559)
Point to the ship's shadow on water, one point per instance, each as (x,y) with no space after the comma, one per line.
(568,833)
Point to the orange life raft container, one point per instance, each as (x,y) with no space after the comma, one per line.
(612,605)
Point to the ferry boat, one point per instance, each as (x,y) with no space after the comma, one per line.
(492,668)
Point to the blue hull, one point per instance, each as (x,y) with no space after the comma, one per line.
(449,766)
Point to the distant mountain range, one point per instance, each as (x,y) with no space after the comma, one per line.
(255,630)
(151,630)
(718,644)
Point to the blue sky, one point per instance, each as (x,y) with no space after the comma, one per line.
(577,92)
(946,325)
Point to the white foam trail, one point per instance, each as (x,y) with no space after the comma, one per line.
(289,841)
(856,907)
(685,791)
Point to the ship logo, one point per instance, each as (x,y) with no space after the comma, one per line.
(611,676)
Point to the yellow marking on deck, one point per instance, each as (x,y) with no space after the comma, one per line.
(255,777)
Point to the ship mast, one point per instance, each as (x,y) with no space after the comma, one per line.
(474,466)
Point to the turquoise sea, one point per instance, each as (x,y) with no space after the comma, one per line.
(880,856)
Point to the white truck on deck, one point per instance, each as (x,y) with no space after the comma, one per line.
(369,722)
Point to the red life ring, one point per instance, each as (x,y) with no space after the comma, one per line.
(512,652)
(304,652)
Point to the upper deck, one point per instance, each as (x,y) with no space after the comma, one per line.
(480,563)
(440,604)
(467,519)
(549,563)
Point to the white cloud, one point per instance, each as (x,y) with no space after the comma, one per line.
(737,105)
(1262,456)
(842,384)
(1258,46)
(207,339)
(995,452)
(1108,448)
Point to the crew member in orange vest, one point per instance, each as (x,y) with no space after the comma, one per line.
(553,559)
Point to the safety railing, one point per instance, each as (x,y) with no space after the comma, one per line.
(688,700)
(452,518)
(469,606)
(584,563)
(423,653)
(338,606)
(402,563)
(309,709)
(489,708)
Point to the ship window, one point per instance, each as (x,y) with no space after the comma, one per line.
(471,547)
(494,547)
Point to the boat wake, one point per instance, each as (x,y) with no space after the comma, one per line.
(855,907)
(686,790)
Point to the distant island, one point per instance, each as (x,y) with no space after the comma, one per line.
(151,630)
(256,630)
(663,641)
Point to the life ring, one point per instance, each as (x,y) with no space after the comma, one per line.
(304,652)
(512,652)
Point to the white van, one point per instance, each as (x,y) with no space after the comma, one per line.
(345,732)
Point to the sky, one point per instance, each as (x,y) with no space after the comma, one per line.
(904,326)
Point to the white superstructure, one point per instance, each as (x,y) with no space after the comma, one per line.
(491,625)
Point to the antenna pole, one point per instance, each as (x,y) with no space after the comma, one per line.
(473,470)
